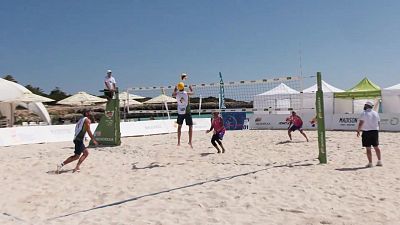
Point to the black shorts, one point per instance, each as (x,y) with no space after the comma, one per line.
(294,128)
(186,117)
(109,94)
(370,138)
(79,147)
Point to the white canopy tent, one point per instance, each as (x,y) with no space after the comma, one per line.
(277,99)
(309,98)
(11,90)
(326,88)
(391,99)
(394,87)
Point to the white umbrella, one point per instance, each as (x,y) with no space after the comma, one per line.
(127,99)
(161,99)
(28,97)
(126,103)
(125,96)
(123,103)
(81,98)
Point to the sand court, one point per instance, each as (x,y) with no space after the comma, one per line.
(261,179)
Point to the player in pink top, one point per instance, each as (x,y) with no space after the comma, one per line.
(217,123)
(295,123)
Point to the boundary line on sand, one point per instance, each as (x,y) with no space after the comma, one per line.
(290,164)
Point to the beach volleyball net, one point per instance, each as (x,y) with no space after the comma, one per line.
(273,95)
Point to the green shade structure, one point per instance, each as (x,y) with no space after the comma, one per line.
(363,90)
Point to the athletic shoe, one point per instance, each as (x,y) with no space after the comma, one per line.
(379,163)
(369,165)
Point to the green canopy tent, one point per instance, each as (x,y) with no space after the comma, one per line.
(365,89)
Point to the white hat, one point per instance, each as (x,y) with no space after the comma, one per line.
(369,103)
(109,71)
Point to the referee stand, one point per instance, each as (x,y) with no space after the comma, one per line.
(108,131)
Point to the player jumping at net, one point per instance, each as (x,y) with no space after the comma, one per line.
(217,124)
(81,128)
(182,98)
(295,123)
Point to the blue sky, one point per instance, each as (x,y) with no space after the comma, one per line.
(70,44)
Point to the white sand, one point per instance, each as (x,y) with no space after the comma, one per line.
(290,186)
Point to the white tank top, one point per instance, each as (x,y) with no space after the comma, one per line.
(183,100)
(79,130)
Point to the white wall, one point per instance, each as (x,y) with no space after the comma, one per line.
(60,133)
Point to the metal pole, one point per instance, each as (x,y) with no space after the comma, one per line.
(200,105)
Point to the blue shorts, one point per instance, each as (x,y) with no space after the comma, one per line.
(79,147)
(221,135)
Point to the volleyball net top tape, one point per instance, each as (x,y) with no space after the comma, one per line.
(216,84)
(275,94)
(212,110)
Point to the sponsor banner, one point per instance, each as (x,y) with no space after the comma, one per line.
(278,121)
(234,120)
(60,133)
(344,122)
(160,127)
(108,130)
(389,122)
(267,121)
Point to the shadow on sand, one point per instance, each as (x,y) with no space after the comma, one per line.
(206,154)
(54,172)
(150,166)
(287,142)
(352,169)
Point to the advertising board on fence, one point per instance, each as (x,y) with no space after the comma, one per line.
(389,122)
(59,133)
(344,122)
(266,122)
(234,120)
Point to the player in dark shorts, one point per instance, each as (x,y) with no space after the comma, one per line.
(183,102)
(295,123)
(217,124)
(369,125)
(82,126)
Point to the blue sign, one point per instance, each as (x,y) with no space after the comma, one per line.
(233,120)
